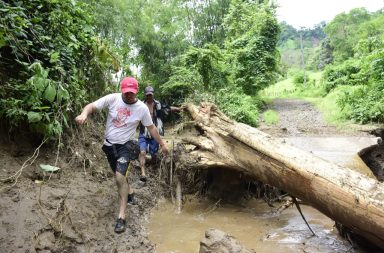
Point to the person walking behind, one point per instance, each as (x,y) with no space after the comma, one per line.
(125,112)
(146,139)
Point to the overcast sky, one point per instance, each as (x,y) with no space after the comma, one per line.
(307,13)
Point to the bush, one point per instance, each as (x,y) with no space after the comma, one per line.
(238,106)
(347,73)
(49,54)
(364,104)
(298,79)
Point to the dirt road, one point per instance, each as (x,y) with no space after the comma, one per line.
(301,118)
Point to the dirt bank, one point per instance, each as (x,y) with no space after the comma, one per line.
(74,209)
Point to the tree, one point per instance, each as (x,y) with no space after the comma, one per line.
(342,32)
(207,18)
(252,43)
(344,195)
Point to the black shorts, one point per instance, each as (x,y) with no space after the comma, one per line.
(119,155)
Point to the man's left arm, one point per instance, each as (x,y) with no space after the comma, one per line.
(155,135)
(175,109)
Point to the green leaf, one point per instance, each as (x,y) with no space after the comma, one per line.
(62,94)
(54,57)
(34,117)
(44,73)
(48,168)
(2,40)
(36,68)
(38,82)
(50,93)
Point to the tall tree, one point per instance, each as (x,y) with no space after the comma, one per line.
(206,19)
(252,34)
(342,32)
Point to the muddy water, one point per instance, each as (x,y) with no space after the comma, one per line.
(254,223)
(340,150)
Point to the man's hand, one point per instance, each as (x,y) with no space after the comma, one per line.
(81,119)
(88,109)
(164,149)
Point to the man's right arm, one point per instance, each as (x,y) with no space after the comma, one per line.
(88,109)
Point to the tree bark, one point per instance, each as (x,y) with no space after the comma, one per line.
(344,195)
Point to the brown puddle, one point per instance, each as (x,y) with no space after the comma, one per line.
(254,223)
(255,226)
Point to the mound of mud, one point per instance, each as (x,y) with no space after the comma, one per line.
(74,209)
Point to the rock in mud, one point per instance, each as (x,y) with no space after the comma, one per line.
(217,241)
(46,240)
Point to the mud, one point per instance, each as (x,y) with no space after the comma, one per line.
(73,210)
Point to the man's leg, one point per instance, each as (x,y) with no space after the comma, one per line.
(123,189)
(123,186)
(143,143)
(153,149)
(142,156)
(119,167)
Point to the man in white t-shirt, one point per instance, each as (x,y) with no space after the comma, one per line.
(125,112)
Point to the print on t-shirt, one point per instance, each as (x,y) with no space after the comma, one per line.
(121,116)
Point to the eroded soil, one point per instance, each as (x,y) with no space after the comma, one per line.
(74,209)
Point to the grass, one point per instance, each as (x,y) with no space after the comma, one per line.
(313,92)
(271,117)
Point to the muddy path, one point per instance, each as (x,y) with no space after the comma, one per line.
(74,209)
(302,118)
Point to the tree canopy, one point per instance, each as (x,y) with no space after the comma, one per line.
(56,55)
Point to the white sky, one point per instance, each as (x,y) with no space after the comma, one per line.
(307,13)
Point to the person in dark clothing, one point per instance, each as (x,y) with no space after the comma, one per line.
(146,141)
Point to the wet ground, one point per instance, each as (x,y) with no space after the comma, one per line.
(74,209)
(254,223)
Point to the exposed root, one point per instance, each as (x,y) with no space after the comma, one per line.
(288,203)
(56,221)
(15,177)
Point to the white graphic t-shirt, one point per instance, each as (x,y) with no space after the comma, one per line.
(123,118)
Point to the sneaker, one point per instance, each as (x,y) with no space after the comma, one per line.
(131,199)
(120,225)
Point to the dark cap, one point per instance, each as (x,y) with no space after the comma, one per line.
(149,90)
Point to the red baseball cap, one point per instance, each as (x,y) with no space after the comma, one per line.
(129,84)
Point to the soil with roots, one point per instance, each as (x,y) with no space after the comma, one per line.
(75,208)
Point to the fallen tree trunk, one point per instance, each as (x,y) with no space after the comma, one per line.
(346,196)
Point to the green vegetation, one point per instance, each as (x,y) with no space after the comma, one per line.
(58,55)
(49,56)
(271,117)
(351,53)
